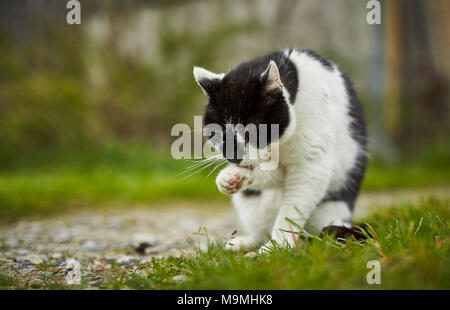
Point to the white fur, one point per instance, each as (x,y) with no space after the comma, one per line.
(254,225)
(316,153)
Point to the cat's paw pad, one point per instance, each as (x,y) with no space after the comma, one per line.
(230,181)
(239,243)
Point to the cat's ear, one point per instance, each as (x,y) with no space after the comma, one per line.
(208,81)
(271,77)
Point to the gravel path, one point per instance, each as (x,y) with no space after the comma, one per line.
(87,244)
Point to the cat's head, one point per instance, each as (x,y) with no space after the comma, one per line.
(253,100)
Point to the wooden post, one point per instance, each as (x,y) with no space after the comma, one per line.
(394,51)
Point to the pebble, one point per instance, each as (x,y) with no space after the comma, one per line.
(126,260)
(93,246)
(74,272)
(140,272)
(56,255)
(115,222)
(27,270)
(142,241)
(22,252)
(179,278)
(97,283)
(11,242)
(35,283)
(33,259)
(62,238)
(43,274)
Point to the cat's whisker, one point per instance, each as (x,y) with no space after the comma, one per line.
(197,165)
(217,166)
(204,159)
(195,172)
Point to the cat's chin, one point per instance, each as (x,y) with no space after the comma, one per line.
(250,167)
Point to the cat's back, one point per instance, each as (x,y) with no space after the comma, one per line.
(327,103)
(327,96)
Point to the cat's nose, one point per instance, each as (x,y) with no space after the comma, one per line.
(234,160)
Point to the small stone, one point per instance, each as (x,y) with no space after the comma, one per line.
(97,283)
(115,222)
(57,262)
(31,259)
(35,283)
(140,242)
(27,270)
(11,242)
(93,246)
(140,273)
(73,275)
(156,249)
(179,278)
(62,237)
(22,252)
(173,253)
(126,260)
(43,274)
(56,255)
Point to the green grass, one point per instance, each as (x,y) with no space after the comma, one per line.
(7,281)
(403,177)
(43,193)
(118,176)
(412,244)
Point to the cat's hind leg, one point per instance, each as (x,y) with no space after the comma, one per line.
(256,210)
(327,213)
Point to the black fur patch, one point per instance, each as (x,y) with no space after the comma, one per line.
(241,96)
(342,233)
(251,193)
(350,189)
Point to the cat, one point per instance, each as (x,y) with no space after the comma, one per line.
(322,144)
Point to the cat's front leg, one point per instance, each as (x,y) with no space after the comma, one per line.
(304,188)
(233,179)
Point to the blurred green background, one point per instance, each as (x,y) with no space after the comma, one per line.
(86,110)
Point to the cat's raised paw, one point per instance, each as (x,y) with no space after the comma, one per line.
(233,179)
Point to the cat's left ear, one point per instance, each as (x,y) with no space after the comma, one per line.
(208,81)
(272,78)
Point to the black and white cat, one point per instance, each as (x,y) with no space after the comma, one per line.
(322,144)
